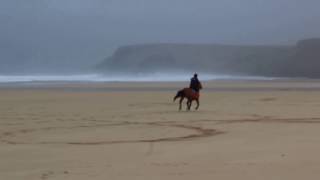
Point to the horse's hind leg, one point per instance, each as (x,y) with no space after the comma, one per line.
(180,103)
(198,104)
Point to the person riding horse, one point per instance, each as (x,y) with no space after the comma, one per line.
(195,85)
(191,93)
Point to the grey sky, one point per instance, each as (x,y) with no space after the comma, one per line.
(88,30)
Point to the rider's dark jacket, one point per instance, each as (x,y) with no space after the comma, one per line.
(195,84)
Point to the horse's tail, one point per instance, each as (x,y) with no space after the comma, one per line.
(179,94)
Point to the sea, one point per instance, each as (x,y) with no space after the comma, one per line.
(154,77)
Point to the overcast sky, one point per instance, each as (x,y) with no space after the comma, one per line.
(88,30)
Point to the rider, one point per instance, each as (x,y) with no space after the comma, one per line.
(195,84)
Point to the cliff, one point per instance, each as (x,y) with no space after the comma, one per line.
(304,60)
(301,60)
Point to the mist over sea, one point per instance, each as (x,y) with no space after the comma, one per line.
(143,77)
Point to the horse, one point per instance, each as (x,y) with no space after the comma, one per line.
(190,95)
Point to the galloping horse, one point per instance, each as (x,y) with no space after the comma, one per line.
(190,94)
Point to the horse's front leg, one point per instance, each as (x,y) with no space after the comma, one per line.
(198,104)
(189,103)
(180,103)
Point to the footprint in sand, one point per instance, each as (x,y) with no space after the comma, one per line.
(46,175)
(171,164)
(268,99)
(49,174)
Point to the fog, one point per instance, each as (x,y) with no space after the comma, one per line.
(51,36)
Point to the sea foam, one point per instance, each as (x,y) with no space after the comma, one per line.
(154,77)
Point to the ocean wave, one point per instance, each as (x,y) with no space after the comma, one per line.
(157,77)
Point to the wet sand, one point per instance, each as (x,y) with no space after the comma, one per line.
(243,130)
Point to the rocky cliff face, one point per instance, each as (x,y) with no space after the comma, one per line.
(304,60)
(301,60)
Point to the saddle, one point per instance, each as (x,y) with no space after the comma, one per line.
(195,94)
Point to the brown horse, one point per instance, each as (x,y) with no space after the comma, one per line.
(190,95)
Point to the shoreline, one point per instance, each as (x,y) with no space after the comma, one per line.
(209,86)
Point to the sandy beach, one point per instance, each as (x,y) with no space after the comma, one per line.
(245,130)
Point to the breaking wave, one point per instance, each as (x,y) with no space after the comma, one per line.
(155,77)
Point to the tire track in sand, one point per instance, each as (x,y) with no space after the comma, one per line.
(199,132)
